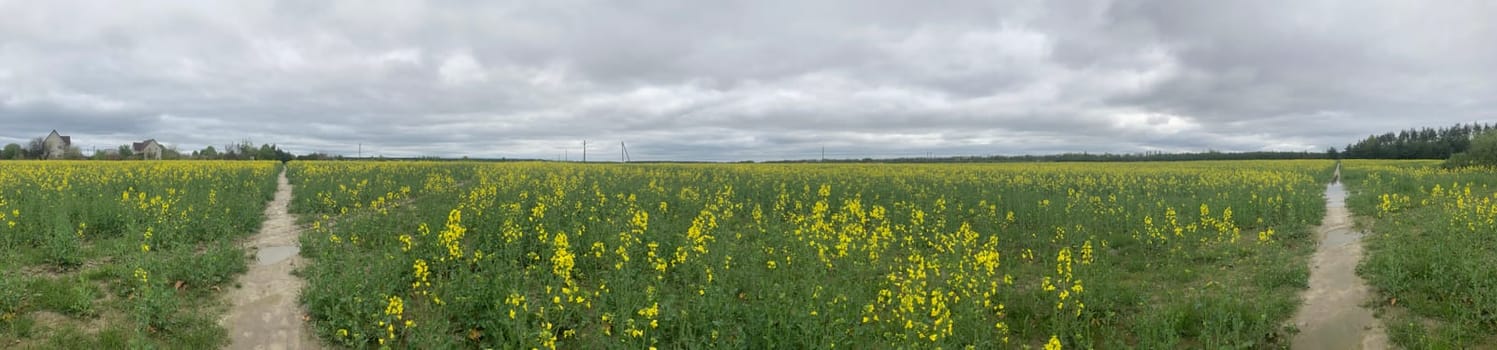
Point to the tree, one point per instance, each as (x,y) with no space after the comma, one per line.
(73,153)
(36,149)
(208,153)
(245,149)
(100,154)
(1331,153)
(12,151)
(273,152)
(125,151)
(171,153)
(266,152)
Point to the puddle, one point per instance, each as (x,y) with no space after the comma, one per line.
(1338,237)
(1335,196)
(273,255)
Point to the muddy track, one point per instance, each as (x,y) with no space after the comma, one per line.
(1333,316)
(264,311)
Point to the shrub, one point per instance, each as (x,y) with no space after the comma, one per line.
(1483,152)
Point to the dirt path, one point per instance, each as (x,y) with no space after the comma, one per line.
(265,313)
(1332,316)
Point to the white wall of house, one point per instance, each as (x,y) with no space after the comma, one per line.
(54,147)
(152,151)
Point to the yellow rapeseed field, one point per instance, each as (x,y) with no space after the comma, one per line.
(1431,249)
(139,247)
(512,255)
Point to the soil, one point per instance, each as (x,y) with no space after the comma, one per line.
(1333,316)
(264,311)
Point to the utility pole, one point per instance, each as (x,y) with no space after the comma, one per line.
(361,150)
(823,153)
(624,155)
(584,151)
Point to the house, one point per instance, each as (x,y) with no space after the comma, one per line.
(148,149)
(55,146)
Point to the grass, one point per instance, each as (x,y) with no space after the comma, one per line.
(68,295)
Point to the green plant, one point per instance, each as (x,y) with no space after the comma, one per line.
(1483,152)
(69,296)
(215,265)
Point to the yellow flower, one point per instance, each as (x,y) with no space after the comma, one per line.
(452,235)
(421,272)
(396,307)
(1086,252)
(563,260)
(650,312)
(1053,344)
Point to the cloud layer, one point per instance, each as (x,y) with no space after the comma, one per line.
(743,80)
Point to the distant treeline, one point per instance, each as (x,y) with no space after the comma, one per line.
(244,150)
(1424,143)
(1420,143)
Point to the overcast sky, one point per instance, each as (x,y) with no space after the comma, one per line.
(743,80)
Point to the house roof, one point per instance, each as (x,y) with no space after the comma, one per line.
(141,146)
(66,140)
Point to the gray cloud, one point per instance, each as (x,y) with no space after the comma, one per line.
(740,80)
